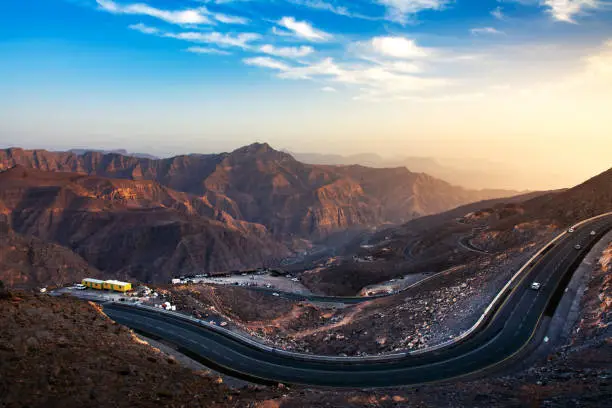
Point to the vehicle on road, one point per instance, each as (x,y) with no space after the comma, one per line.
(536,285)
(593,233)
(577,246)
(570,230)
(275,294)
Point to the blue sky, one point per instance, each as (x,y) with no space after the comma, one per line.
(423,77)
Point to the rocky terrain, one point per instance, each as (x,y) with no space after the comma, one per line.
(260,185)
(58,352)
(82,359)
(27,261)
(131,229)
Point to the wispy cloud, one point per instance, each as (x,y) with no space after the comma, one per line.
(287,52)
(566,10)
(267,62)
(373,81)
(145,29)
(240,40)
(486,31)
(193,16)
(400,10)
(327,6)
(301,29)
(207,50)
(328,89)
(498,13)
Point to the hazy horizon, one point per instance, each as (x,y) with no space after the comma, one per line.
(523,83)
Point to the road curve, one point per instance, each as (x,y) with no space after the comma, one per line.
(500,338)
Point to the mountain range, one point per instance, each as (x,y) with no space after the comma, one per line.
(150,219)
(469,173)
(261,185)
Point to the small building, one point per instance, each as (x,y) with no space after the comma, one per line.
(93,283)
(114,285)
(117,286)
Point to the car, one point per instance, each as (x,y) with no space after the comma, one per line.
(571,230)
(593,233)
(275,294)
(536,285)
(577,246)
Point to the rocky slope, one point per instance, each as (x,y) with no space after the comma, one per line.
(65,353)
(27,261)
(261,185)
(131,229)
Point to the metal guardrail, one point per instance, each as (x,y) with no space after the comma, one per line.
(313,357)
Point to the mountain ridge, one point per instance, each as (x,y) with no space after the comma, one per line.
(259,184)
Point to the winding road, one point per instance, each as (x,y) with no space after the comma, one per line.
(512,324)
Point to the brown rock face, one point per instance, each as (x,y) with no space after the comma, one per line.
(27,261)
(258,184)
(131,229)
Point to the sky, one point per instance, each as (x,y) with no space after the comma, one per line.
(523,83)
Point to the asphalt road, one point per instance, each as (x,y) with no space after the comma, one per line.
(511,327)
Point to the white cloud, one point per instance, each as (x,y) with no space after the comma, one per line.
(287,52)
(143,28)
(486,30)
(498,13)
(227,19)
(197,16)
(565,10)
(326,6)
(188,16)
(328,89)
(399,10)
(374,81)
(397,47)
(302,29)
(240,40)
(267,62)
(404,67)
(207,50)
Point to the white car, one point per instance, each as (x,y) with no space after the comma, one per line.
(577,246)
(275,294)
(536,285)
(570,230)
(593,233)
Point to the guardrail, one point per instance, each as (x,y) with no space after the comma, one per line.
(250,341)
(312,357)
(503,292)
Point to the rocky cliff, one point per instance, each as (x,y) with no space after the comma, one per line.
(258,184)
(131,229)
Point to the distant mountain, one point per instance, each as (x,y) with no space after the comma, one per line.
(258,184)
(122,152)
(468,173)
(126,228)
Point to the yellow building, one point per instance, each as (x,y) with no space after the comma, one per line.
(93,283)
(114,285)
(117,286)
